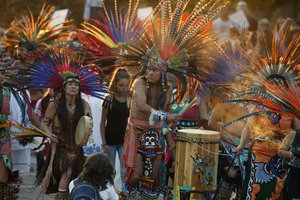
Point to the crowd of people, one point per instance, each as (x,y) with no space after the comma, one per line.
(217,70)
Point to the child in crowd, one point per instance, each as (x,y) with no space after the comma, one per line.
(99,172)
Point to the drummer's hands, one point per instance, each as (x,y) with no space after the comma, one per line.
(173,117)
(239,150)
(53,139)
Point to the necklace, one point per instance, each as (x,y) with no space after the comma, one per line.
(71,107)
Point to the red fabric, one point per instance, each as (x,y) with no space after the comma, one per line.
(130,143)
(191,113)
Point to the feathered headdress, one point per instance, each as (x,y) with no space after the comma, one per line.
(175,46)
(32,33)
(5,62)
(10,69)
(54,68)
(226,60)
(279,64)
(274,78)
(99,37)
(280,99)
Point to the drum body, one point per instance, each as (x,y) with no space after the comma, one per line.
(196,162)
(83,130)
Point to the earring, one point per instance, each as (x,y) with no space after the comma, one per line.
(163,83)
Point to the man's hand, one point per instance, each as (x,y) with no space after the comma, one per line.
(156,116)
(53,139)
(173,117)
(239,149)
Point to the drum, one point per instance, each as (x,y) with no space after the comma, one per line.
(83,130)
(196,162)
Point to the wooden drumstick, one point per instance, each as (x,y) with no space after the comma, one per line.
(43,132)
(188,106)
(185,109)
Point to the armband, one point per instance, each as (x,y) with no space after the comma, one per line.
(156,116)
(46,121)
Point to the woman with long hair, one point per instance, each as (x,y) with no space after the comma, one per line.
(115,111)
(66,159)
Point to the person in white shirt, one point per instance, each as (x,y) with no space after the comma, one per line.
(99,171)
(222,24)
(92,8)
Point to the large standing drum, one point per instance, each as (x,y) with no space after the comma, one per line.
(196,162)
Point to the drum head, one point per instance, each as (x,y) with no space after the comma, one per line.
(198,131)
(197,135)
(83,130)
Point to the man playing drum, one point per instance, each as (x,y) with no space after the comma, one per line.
(170,51)
(142,145)
(222,114)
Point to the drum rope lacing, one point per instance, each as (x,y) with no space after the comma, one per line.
(228,154)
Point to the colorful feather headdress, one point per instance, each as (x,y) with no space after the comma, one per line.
(9,68)
(5,62)
(274,78)
(53,68)
(279,64)
(280,99)
(175,46)
(32,33)
(226,60)
(99,37)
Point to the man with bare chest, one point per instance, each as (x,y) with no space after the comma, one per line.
(225,114)
(142,143)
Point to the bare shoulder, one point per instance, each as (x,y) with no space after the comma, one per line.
(220,108)
(139,86)
(52,105)
(51,110)
(139,82)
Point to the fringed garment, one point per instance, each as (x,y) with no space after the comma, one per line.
(68,155)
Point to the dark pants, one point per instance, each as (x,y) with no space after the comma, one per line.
(293,184)
(40,162)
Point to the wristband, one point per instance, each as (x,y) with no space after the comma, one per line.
(156,116)
(160,116)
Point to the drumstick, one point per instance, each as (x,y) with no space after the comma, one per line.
(188,106)
(41,131)
(185,109)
